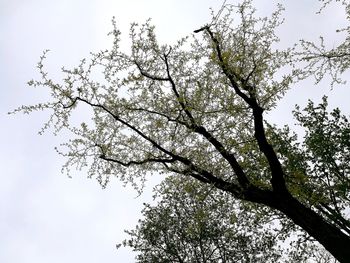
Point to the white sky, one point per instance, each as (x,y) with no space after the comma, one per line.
(45,216)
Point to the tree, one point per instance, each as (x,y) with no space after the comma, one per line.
(193,222)
(196,109)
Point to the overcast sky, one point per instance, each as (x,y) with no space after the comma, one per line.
(47,217)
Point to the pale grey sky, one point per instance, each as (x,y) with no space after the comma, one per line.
(47,217)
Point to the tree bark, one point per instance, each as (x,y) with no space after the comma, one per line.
(333,239)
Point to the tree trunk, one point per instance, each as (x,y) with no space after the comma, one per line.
(333,239)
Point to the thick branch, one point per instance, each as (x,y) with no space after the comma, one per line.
(277,180)
(230,75)
(242,178)
(208,178)
(219,183)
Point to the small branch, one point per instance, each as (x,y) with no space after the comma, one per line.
(176,120)
(145,74)
(70,105)
(140,162)
(336,217)
(201,29)
(328,55)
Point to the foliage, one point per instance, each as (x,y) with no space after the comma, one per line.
(195,223)
(326,151)
(320,60)
(192,222)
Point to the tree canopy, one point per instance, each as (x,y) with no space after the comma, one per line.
(196,110)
